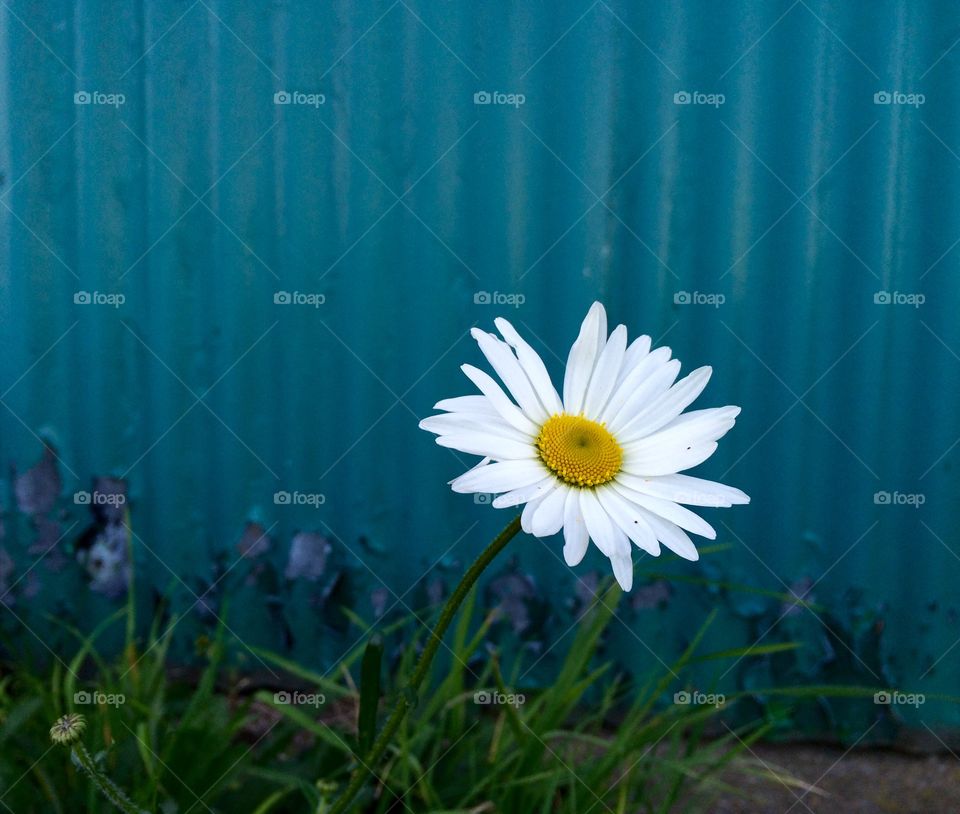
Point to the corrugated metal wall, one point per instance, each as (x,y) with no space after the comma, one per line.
(784,198)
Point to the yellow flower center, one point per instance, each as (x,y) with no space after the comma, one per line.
(579,451)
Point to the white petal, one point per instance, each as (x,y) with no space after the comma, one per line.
(601,528)
(666,407)
(686,489)
(548,519)
(605,372)
(686,441)
(576,538)
(503,361)
(649,379)
(533,366)
(583,357)
(630,519)
(488,445)
(453,423)
(688,430)
(673,512)
(667,460)
(621,543)
(526,516)
(707,424)
(500,477)
(525,493)
(506,408)
(467,404)
(623,570)
(636,351)
(672,537)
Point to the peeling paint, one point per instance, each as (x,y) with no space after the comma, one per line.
(47,543)
(436,591)
(31,586)
(112,500)
(654,595)
(308,556)
(305,594)
(207,604)
(103,548)
(378,601)
(801,589)
(38,488)
(512,593)
(107,563)
(585,588)
(254,541)
(451,563)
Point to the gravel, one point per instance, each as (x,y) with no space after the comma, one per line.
(869,781)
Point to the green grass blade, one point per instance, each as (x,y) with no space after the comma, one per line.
(369,693)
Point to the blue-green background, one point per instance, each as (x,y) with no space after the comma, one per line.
(400,200)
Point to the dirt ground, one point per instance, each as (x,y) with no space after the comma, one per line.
(860,782)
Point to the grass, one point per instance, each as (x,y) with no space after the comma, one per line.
(589,742)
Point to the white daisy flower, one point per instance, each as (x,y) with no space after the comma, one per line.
(601,464)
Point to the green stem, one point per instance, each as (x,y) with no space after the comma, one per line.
(107,787)
(406,698)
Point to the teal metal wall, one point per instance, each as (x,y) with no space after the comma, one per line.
(786,201)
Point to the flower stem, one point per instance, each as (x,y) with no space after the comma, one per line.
(407,697)
(107,787)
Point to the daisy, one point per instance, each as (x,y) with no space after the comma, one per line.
(601,463)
